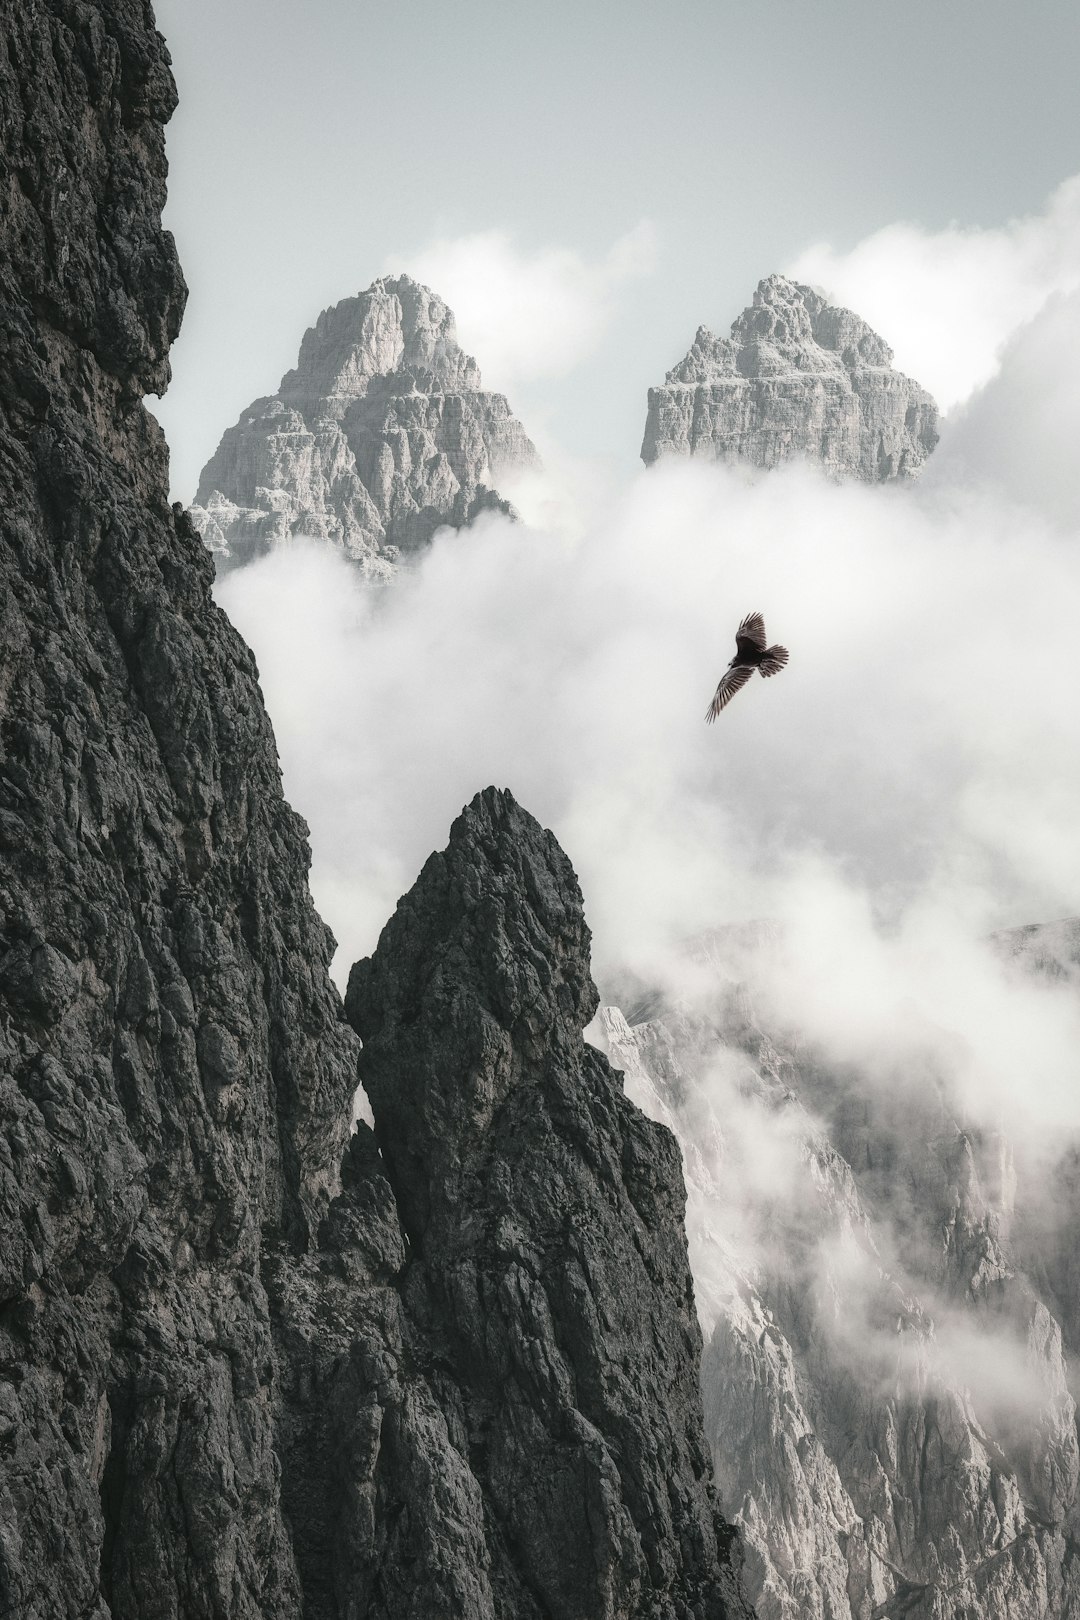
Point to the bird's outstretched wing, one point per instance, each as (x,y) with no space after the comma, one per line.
(750,636)
(774,661)
(730,682)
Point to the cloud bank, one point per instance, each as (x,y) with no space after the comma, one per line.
(948,301)
(924,740)
(909,783)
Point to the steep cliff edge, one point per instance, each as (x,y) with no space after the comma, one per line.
(798,377)
(240,1373)
(381,434)
(175,1074)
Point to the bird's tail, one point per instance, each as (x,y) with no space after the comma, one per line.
(774,660)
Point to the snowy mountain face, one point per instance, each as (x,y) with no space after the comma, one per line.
(890,1318)
(798,377)
(381,435)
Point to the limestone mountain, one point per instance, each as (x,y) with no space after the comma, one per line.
(381,435)
(798,377)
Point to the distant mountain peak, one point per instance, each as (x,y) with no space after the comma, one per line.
(380,434)
(798,378)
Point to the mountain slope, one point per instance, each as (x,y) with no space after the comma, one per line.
(887,1374)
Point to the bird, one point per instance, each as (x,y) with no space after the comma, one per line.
(750,653)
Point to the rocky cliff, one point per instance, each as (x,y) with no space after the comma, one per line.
(380,435)
(798,378)
(888,1368)
(250,1367)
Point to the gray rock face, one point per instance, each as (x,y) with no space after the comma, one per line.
(234,1382)
(890,1341)
(174,1072)
(380,435)
(547,1278)
(798,378)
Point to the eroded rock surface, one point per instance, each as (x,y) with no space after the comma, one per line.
(248,1368)
(237,1378)
(797,378)
(381,435)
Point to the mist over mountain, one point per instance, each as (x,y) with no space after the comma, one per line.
(876,1100)
(882,1247)
(743,1278)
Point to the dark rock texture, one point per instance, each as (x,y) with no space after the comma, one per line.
(175,1074)
(798,378)
(547,1278)
(235,1382)
(382,434)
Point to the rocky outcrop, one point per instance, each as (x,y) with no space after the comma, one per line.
(248,1367)
(381,435)
(798,379)
(888,1339)
(548,1275)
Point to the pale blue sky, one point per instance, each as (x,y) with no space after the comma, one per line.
(314,140)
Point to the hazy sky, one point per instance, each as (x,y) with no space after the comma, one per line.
(319,145)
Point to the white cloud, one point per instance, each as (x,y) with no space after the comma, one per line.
(905,744)
(948,301)
(1017,435)
(527,314)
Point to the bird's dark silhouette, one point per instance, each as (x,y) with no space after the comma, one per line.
(750,653)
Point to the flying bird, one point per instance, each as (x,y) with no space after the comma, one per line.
(750,653)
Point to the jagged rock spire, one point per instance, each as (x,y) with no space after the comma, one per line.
(548,1260)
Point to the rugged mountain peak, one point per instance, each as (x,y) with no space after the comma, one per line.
(798,377)
(492,941)
(380,435)
(396,327)
(545,1216)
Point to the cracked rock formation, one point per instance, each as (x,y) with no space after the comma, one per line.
(381,435)
(798,378)
(252,1368)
